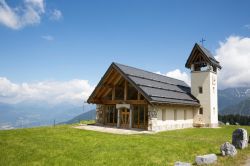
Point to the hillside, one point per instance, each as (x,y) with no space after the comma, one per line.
(242,108)
(89,115)
(64,145)
(232,96)
(28,114)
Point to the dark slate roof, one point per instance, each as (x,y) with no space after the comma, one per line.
(206,53)
(157,88)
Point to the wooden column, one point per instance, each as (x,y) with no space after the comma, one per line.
(118,118)
(125,90)
(130,117)
(138,96)
(113,93)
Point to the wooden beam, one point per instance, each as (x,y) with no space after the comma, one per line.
(125,90)
(114,83)
(113,93)
(144,120)
(107,89)
(138,96)
(109,75)
(100,88)
(103,101)
(111,86)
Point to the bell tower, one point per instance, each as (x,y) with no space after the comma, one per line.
(204,69)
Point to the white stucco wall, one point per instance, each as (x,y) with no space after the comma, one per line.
(208,99)
(165,119)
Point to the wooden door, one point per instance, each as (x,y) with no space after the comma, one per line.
(125,118)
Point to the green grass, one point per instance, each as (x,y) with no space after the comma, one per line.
(64,145)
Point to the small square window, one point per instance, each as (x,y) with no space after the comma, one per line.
(201,111)
(200,89)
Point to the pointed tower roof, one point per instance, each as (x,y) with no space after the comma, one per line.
(200,51)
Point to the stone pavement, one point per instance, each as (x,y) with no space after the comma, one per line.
(113,130)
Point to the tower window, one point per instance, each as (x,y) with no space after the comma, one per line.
(200,90)
(201,111)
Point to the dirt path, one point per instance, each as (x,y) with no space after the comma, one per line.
(247,162)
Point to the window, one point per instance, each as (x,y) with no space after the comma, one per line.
(164,114)
(185,114)
(200,90)
(175,114)
(201,111)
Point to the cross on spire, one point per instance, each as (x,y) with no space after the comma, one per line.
(202,41)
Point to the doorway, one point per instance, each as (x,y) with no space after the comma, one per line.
(125,113)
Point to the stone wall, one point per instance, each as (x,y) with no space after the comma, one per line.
(99,113)
(163,118)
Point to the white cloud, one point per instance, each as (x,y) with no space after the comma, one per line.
(234,57)
(27,14)
(52,92)
(48,37)
(56,15)
(177,74)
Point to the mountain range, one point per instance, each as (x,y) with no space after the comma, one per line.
(89,115)
(28,114)
(234,101)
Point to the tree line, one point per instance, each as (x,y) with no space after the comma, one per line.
(235,119)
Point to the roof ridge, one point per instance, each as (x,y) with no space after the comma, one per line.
(148,72)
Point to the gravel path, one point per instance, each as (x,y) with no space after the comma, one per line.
(247,162)
(113,130)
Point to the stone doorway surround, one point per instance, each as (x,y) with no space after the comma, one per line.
(119,107)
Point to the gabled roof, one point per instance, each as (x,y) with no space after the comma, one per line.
(156,88)
(205,53)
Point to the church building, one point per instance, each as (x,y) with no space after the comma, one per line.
(127,97)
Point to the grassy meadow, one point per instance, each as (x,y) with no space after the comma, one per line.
(64,145)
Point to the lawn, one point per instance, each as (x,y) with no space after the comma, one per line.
(64,145)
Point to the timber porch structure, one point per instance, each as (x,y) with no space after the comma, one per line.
(119,102)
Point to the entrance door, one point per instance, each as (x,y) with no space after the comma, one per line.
(125,118)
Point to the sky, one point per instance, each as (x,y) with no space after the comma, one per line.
(51,49)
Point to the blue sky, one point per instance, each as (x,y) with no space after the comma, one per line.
(86,36)
(153,35)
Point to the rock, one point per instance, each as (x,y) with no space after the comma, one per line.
(240,138)
(206,159)
(178,163)
(228,149)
